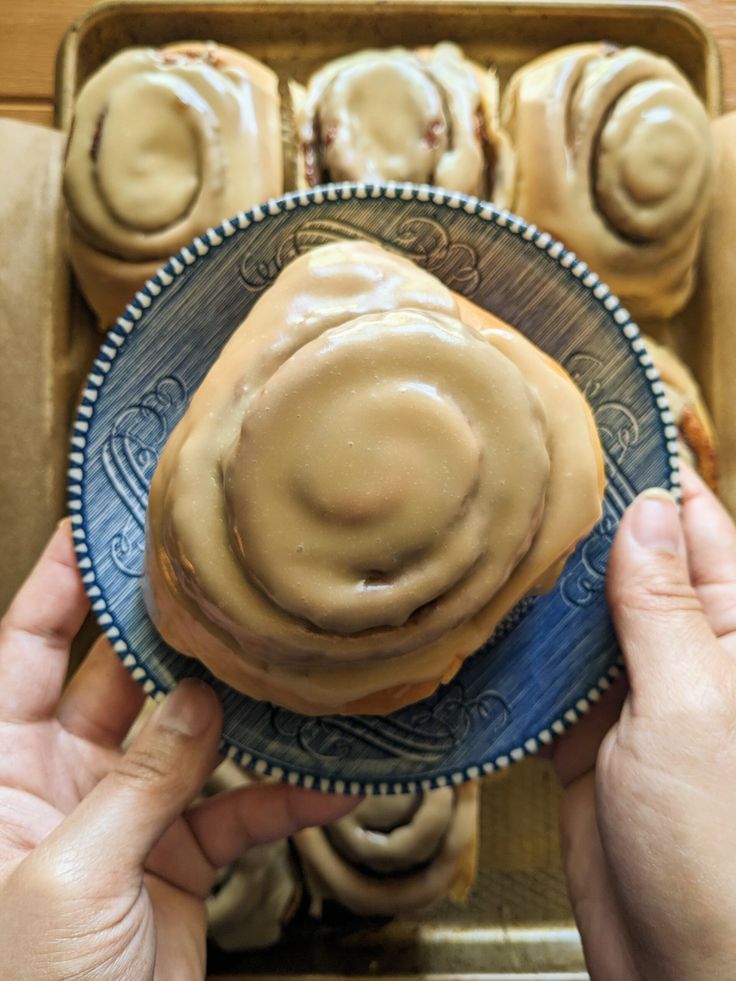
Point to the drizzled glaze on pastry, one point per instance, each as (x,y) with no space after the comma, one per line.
(165,144)
(613,156)
(394,854)
(371,475)
(362,489)
(427,116)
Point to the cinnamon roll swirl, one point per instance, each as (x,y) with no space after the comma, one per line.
(372,474)
(395,854)
(165,144)
(428,116)
(614,157)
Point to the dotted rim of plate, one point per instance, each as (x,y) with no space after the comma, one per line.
(144,298)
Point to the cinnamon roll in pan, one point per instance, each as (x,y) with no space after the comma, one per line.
(613,155)
(395,855)
(369,478)
(258,894)
(717,295)
(428,116)
(165,143)
(697,438)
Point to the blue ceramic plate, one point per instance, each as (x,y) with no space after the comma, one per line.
(553,656)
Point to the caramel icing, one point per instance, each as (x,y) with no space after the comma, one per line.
(395,854)
(428,116)
(165,144)
(371,475)
(613,156)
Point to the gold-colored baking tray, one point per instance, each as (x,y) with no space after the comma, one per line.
(295,37)
(517,923)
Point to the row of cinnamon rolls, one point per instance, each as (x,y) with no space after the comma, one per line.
(607,149)
(390,856)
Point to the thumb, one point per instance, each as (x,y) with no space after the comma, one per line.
(659,620)
(164,769)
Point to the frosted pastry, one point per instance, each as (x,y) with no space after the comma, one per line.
(614,157)
(259,893)
(371,475)
(697,441)
(395,854)
(428,116)
(165,144)
(717,298)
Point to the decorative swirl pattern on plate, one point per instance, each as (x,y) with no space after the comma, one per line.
(423,240)
(425,734)
(129,457)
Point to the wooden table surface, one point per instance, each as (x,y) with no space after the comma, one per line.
(31,31)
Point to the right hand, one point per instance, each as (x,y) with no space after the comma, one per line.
(649,814)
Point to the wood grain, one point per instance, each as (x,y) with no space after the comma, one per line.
(39,111)
(30,35)
(720,16)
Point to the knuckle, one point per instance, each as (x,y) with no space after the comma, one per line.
(655,592)
(142,767)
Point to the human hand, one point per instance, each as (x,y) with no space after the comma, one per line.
(648,828)
(104,866)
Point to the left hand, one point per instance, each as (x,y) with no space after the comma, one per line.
(648,835)
(104,865)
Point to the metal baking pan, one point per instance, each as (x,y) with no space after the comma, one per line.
(517,923)
(295,37)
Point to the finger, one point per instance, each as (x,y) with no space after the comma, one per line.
(102,700)
(164,769)
(575,753)
(227,825)
(37,630)
(666,640)
(177,858)
(710,536)
(597,914)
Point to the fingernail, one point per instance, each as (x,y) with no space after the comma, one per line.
(656,522)
(189,709)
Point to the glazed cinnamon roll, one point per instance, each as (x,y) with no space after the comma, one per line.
(395,854)
(371,475)
(613,156)
(256,896)
(165,144)
(696,440)
(428,116)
